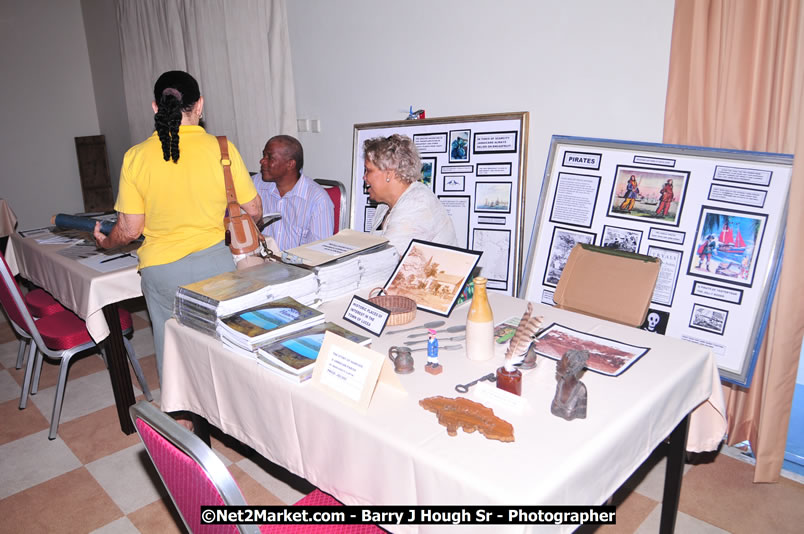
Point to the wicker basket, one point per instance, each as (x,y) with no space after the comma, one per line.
(403,309)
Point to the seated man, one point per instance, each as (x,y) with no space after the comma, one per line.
(306,209)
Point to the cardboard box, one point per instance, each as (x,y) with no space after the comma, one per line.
(606,283)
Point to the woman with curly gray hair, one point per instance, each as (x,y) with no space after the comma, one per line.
(408,209)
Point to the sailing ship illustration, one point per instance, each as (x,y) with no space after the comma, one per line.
(729,242)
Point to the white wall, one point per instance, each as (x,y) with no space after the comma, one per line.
(582,67)
(103,42)
(46,100)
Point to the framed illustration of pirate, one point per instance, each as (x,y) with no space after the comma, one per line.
(648,195)
(727,245)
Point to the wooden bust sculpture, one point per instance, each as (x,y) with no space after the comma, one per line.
(570,400)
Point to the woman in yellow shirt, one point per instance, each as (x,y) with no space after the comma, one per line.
(172,191)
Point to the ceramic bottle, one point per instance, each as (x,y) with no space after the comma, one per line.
(480,324)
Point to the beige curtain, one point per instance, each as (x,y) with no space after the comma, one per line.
(736,81)
(238,51)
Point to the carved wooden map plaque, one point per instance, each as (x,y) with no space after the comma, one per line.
(469,415)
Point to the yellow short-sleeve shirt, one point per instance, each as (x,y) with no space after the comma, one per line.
(183,202)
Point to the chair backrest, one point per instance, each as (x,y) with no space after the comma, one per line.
(336,192)
(12,301)
(193,475)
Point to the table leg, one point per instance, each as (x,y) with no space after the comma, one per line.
(118,368)
(672,476)
(201,428)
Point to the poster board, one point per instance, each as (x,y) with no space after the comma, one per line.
(714,217)
(475,165)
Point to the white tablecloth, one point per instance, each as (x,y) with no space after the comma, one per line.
(398,453)
(77,287)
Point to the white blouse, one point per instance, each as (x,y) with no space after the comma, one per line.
(417,214)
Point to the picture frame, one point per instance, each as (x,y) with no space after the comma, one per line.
(493,267)
(709,186)
(454,183)
(639,193)
(708,319)
(618,238)
(564,239)
(459,208)
(433,275)
(429,173)
(503,139)
(735,245)
(459,146)
(493,197)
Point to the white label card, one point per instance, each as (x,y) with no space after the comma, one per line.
(347,371)
(366,315)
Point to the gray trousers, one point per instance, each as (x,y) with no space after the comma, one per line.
(160,283)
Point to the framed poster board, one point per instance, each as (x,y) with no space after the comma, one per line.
(475,165)
(714,217)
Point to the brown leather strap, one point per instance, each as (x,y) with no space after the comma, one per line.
(231,197)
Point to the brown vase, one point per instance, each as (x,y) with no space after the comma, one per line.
(480,324)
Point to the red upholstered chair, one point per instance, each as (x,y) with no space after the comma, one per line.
(41,304)
(59,336)
(336,192)
(195,477)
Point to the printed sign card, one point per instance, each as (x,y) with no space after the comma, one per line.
(366,315)
(347,371)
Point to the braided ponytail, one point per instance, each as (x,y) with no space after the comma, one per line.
(175,92)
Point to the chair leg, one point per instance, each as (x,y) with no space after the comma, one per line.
(37,372)
(21,352)
(137,369)
(59,400)
(26,381)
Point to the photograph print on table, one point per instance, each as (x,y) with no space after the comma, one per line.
(708,319)
(648,195)
(563,241)
(432,275)
(625,239)
(459,146)
(606,356)
(727,245)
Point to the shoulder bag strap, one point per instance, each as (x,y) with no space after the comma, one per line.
(231,197)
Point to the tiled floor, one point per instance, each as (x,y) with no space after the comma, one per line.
(93,478)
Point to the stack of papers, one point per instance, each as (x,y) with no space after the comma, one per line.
(377,267)
(257,325)
(199,305)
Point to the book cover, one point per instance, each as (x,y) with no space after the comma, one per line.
(344,243)
(269,320)
(234,284)
(295,353)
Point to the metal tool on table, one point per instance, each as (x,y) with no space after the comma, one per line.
(445,347)
(453,338)
(431,324)
(450,330)
(464,388)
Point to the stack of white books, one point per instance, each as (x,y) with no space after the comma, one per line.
(200,304)
(377,267)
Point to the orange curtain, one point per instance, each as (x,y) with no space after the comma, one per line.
(736,80)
